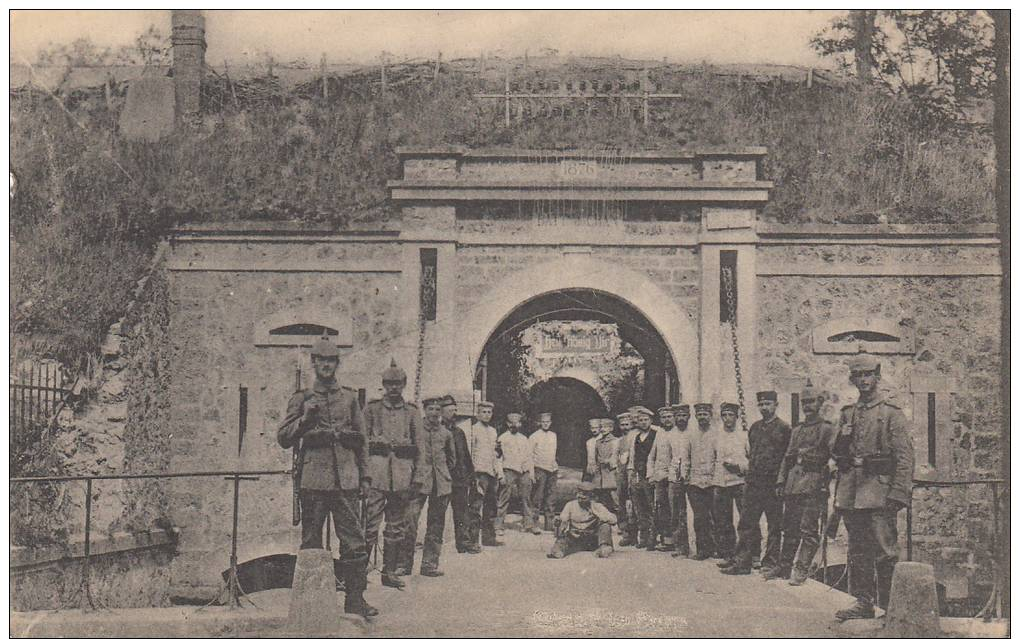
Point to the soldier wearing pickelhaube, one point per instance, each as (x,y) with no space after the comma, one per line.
(393,426)
(804,484)
(325,422)
(875,459)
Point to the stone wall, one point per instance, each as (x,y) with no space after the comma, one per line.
(953,320)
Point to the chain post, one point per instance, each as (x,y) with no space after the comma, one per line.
(728,285)
(420,360)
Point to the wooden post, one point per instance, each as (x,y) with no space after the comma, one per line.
(106,92)
(644,103)
(435,73)
(810,76)
(226,74)
(325,80)
(382,72)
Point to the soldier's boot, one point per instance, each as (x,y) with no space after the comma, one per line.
(548,524)
(736,569)
(727,563)
(667,543)
(390,579)
(862,609)
(354,601)
(489,538)
(604,551)
(798,576)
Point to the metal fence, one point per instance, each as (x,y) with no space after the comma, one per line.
(231,587)
(37,392)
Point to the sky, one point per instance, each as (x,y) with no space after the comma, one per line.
(720,37)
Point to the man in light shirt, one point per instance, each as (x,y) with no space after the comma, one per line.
(584,524)
(679,477)
(481,438)
(543,458)
(731,454)
(517,473)
(701,478)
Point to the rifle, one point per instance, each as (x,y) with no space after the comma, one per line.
(296,463)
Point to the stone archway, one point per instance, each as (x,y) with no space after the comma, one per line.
(574,271)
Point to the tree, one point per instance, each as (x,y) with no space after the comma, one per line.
(942,53)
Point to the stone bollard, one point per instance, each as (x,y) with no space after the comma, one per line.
(314,604)
(913,602)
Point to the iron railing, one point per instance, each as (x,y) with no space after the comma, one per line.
(237,476)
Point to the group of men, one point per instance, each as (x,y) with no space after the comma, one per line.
(379,467)
(772,470)
(384,464)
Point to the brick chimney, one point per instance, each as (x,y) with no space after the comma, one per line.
(188,40)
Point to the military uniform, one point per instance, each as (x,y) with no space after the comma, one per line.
(462,475)
(327,425)
(481,440)
(432,482)
(603,478)
(875,458)
(543,460)
(589,450)
(804,477)
(393,428)
(767,443)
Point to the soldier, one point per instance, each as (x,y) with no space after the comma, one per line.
(595,428)
(628,524)
(658,476)
(325,421)
(518,473)
(481,438)
(679,477)
(433,482)
(767,442)
(875,458)
(583,525)
(804,484)
(700,479)
(393,428)
(543,459)
(462,475)
(731,466)
(641,492)
(604,466)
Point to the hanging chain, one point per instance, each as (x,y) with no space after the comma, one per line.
(728,285)
(419,363)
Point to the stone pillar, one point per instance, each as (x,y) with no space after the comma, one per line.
(188,41)
(913,602)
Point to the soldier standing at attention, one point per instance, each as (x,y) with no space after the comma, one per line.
(641,492)
(875,458)
(481,438)
(628,524)
(325,421)
(432,482)
(393,428)
(658,477)
(731,465)
(679,477)
(767,441)
(804,482)
(543,458)
(702,476)
(517,473)
(604,469)
(462,474)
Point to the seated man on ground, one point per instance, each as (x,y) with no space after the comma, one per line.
(583,525)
